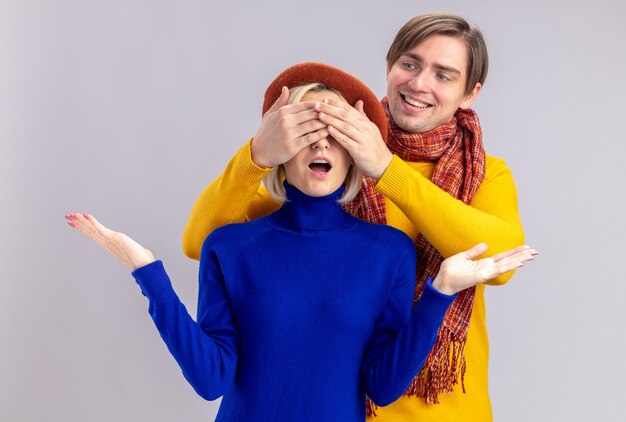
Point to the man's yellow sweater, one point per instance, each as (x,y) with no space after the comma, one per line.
(414,204)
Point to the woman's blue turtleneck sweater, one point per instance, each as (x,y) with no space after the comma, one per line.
(300,314)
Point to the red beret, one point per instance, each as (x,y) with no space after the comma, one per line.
(349,86)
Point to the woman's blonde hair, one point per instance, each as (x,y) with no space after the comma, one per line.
(273,181)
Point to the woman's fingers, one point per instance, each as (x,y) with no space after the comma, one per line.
(122,247)
(507,261)
(476,251)
(79,222)
(513,261)
(503,266)
(93,229)
(515,251)
(89,226)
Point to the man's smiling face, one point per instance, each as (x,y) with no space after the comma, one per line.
(426,85)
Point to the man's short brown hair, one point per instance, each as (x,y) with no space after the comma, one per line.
(421,27)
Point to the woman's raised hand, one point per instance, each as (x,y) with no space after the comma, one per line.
(461,271)
(131,253)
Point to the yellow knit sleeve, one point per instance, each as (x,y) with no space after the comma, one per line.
(450,225)
(235,196)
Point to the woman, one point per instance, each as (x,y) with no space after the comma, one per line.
(304,312)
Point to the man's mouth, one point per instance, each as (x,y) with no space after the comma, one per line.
(415,103)
(320,166)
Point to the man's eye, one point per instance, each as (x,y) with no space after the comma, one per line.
(442,77)
(408,66)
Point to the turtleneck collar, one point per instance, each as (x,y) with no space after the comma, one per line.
(302,212)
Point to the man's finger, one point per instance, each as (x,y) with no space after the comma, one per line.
(359,107)
(340,110)
(344,126)
(337,103)
(301,116)
(296,113)
(306,127)
(280,101)
(345,141)
(311,137)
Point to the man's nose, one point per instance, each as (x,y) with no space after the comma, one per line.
(419,82)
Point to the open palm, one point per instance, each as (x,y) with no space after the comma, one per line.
(117,244)
(461,271)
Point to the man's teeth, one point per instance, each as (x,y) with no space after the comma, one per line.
(319,162)
(416,103)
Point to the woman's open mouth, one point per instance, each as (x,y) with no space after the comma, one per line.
(320,166)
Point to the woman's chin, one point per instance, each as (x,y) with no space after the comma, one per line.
(318,191)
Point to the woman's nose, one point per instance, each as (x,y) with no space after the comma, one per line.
(323,143)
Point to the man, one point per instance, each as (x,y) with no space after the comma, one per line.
(431,180)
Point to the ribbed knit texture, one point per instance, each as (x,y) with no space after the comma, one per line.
(300,315)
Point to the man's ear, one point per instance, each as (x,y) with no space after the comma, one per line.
(471,97)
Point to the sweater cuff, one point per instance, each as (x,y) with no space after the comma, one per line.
(393,183)
(247,168)
(434,304)
(154,282)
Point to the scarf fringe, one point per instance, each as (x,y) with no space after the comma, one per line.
(442,370)
(370,407)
